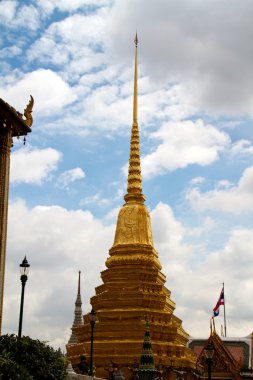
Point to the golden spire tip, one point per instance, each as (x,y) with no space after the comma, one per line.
(136,40)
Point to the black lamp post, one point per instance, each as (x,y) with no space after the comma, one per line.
(92,316)
(209,351)
(24,269)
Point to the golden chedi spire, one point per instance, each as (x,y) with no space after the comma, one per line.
(133,288)
(133,225)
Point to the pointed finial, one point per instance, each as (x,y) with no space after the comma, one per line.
(28,112)
(79,287)
(136,39)
(147,356)
(135,100)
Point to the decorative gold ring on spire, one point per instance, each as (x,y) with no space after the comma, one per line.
(134,183)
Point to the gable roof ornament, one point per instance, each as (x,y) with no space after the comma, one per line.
(222,359)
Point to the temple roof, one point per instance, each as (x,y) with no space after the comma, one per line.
(11,117)
(234,354)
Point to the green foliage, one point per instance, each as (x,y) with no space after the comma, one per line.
(83,366)
(28,359)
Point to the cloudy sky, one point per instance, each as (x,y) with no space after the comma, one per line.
(67,183)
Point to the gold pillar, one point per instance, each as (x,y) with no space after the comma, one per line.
(5,147)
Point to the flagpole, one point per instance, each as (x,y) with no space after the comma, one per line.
(225,324)
(214,329)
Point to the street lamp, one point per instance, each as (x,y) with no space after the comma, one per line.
(209,351)
(24,269)
(92,316)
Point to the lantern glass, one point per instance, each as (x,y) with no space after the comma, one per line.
(209,351)
(24,267)
(92,315)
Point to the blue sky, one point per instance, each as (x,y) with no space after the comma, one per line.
(67,183)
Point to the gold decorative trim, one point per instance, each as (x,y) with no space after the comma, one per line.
(28,112)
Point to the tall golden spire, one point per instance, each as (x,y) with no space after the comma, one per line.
(133,287)
(134,185)
(135,105)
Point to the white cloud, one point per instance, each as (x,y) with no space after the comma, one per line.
(7,10)
(69,6)
(227,265)
(184,143)
(114,100)
(61,44)
(26,16)
(242,147)
(90,27)
(210,56)
(232,199)
(46,50)
(108,83)
(33,165)
(207,225)
(224,183)
(195,275)
(97,199)
(112,215)
(70,176)
(168,236)
(48,89)
(111,90)
(197,180)
(56,242)
(111,110)
(11,51)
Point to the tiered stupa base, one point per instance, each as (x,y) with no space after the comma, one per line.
(133,291)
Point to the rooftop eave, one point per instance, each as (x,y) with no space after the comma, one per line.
(13,119)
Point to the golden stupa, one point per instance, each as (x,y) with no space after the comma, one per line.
(133,289)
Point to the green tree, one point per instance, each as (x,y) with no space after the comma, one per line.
(28,359)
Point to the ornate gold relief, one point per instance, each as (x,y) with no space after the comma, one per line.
(28,112)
